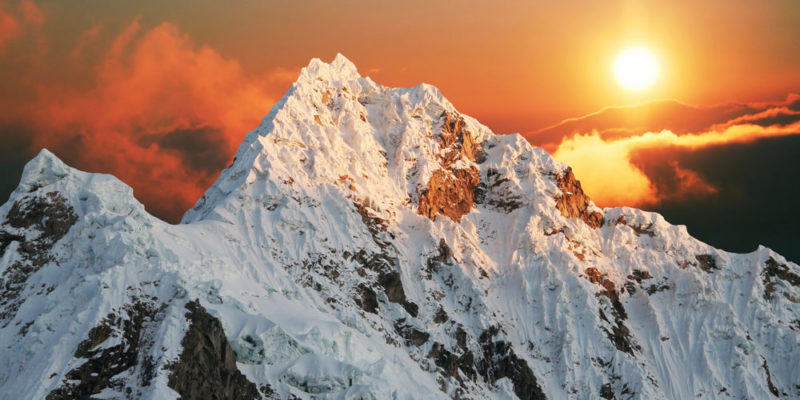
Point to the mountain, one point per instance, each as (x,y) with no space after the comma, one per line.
(374,243)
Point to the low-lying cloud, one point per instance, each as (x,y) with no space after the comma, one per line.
(727,172)
(610,160)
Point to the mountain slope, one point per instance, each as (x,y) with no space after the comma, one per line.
(372,242)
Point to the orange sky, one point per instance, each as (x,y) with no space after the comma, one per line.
(517,65)
(161,93)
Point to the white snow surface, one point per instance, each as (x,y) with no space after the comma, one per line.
(276,250)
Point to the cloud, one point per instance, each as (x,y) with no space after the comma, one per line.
(672,115)
(158,82)
(162,113)
(732,182)
(621,162)
(31,13)
(86,38)
(793,102)
(756,193)
(605,170)
(198,148)
(668,180)
(774,116)
(16,140)
(615,172)
(9,27)
(27,18)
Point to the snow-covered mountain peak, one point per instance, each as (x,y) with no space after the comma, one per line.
(392,140)
(373,242)
(42,170)
(340,69)
(46,176)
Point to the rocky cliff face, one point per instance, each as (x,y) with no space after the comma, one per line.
(573,203)
(206,369)
(372,242)
(34,223)
(451,189)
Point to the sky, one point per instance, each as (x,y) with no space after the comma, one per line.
(160,94)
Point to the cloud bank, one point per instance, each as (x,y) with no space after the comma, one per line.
(607,149)
(161,113)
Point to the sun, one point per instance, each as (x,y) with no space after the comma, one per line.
(636,68)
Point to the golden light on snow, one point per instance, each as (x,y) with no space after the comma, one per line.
(636,68)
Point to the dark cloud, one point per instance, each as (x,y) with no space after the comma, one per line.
(756,198)
(15,142)
(728,173)
(199,148)
(793,102)
(781,119)
(782,116)
(669,178)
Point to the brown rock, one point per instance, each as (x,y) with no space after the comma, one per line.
(452,127)
(619,334)
(594,275)
(707,262)
(456,137)
(451,192)
(412,335)
(393,287)
(574,203)
(367,299)
(598,278)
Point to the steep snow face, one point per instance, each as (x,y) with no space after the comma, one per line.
(373,242)
(336,129)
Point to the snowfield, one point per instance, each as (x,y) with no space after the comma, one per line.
(308,271)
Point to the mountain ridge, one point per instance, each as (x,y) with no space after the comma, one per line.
(329,278)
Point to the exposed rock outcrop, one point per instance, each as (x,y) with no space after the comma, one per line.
(121,366)
(596,277)
(453,366)
(412,335)
(707,262)
(37,222)
(774,274)
(393,286)
(495,191)
(500,361)
(207,368)
(450,193)
(451,189)
(639,229)
(367,299)
(573,203)
(617,332)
